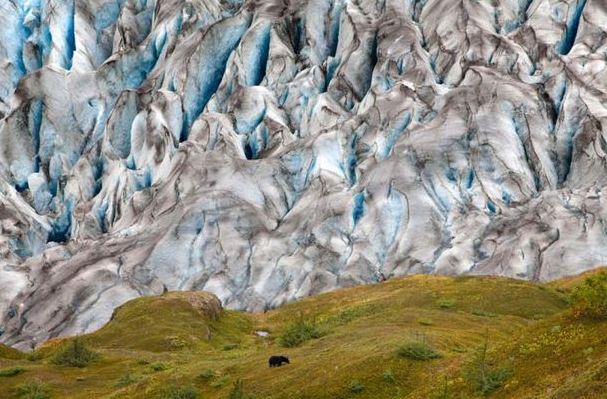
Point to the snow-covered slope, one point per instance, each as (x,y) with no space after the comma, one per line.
(268,150)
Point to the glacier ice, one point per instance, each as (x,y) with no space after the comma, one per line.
(270,150)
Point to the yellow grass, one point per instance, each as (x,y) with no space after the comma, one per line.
(153,343)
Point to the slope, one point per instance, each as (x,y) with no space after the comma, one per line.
(154,345)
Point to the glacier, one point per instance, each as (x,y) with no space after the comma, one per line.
(270,150)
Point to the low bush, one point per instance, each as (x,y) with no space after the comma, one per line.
(180,392)
(443,392)
(389,377)
(446,303)
(34,356)
(220,382)
(348,315)
(493,379)
(459,349)
(356,387)
(484,377)
(74,354)
(229,347)
(238,392)
(483,313)
(301,331)
(33,390)
(126,380)
(13,371)
(416,350)
(159,366)
(175,343)
(207,375)
(590,298)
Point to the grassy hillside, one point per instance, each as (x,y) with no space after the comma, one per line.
(415,337)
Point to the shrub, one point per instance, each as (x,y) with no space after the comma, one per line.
(238,392)
(484,377)
(207,375)
(459,349)
(174,342)
(229,347)
(75,354)
(590,298)
(180,392)
(34,356)
(159,366)
(490,379)
(33,390)
(389,377)
(443,393)
(416,350)
(126,380)
(483,313)
(347,315)
(11,372)
(301,331)
(220,382)
(356,387)
(446,303)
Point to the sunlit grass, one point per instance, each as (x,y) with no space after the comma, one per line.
(344,344)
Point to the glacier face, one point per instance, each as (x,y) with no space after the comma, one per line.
(269,150)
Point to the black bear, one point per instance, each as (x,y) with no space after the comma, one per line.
(277,361)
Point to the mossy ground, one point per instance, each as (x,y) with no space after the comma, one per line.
(155,343)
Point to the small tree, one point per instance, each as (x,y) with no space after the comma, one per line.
(485,378)
(590,298)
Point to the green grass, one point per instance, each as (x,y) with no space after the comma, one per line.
(341,345)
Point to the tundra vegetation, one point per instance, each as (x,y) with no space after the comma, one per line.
(414,337)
